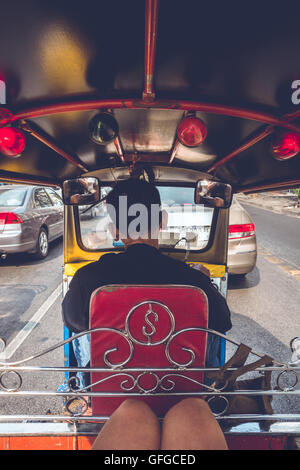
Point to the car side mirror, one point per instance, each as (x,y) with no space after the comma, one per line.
(213,194)
(81,191)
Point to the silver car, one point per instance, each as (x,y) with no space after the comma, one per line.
(242,246)
(30,218)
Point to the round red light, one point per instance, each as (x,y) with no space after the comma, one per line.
(12,141)
(286,146)
(191,131)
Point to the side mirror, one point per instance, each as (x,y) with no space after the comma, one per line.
(213,194)
(81,191)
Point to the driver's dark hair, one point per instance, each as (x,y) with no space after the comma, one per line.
(75,187)
(137,192)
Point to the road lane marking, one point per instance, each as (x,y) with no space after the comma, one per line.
(283,264)
(30,325)
(295,274)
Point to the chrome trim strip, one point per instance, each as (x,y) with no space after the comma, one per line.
(71,428)
(25,419)
(138,394)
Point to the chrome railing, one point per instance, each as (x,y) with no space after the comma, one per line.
(164,382)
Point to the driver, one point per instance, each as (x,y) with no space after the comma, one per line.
(215,198)
(140,263)
(80,193)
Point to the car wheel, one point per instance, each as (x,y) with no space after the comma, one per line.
(42,246)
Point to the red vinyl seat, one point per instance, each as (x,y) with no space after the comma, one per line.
(140,328)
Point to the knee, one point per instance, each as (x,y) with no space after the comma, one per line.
(194,403)
(190,408)
(135,409)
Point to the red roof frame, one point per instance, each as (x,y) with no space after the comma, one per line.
(149,101)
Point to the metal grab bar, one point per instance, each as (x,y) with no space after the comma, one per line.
(125,334)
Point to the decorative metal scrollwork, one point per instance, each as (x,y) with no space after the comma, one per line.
(284,376)
(218,404)
(137,383)
(74,383)
(147,382)
(190,351)
(109,351)
(131,382)
(148,334)
(10,376)
(77,406)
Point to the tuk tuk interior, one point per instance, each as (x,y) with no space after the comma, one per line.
(151,74)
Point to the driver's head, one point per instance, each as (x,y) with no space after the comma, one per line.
(130,205)
(76,187)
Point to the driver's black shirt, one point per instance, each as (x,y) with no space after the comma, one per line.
(138,264)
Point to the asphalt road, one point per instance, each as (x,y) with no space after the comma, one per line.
(30,322)
(278,233)
(25,284)
(264,306)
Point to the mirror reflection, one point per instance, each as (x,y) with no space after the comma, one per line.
(213,194)
(81,191)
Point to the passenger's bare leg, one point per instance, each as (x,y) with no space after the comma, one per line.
(132,426)
(190,424)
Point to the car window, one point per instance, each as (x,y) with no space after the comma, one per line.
(41,198)
(12,197)
(55,198)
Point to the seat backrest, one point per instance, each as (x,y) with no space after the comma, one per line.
(147,327)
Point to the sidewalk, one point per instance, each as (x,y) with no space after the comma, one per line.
(275,201)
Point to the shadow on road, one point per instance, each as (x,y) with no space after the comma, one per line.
(251,333)
(15,300)
(244,282)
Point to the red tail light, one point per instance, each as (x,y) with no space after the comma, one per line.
(241,231)
(10,218)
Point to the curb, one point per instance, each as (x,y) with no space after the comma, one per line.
(290,212)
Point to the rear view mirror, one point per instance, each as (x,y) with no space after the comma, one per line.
(213,194)
(81,191)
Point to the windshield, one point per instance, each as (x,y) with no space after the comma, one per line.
(185,224)
(12,197)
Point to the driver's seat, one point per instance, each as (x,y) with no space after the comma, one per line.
(147,327)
